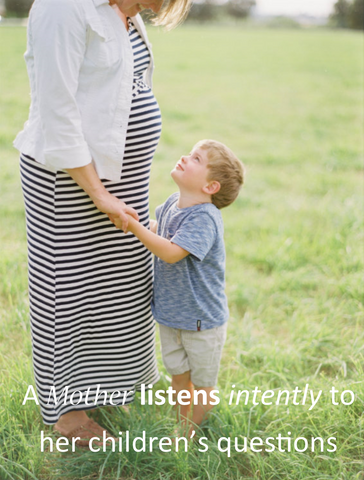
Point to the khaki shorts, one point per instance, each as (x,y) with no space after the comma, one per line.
(198,352)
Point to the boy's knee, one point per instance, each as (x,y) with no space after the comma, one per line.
(182,380)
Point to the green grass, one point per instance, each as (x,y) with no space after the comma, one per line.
(289,103)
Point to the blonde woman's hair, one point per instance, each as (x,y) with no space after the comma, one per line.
(172,13)
(225,168)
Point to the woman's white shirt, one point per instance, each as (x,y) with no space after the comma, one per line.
(80,66)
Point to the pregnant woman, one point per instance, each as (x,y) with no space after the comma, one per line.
(86,153)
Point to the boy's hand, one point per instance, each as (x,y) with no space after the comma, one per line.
(131,224)
(153,225)
(125,222)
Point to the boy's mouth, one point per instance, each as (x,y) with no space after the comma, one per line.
(179,167)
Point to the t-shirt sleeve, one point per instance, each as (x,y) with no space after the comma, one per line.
(196,234)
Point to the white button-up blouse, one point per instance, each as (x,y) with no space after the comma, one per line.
(80,66)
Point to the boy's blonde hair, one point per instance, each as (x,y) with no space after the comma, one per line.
(225,168)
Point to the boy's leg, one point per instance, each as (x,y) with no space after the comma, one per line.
(176,362)
(204,349)
(200,411)
(197,355)
(182,382)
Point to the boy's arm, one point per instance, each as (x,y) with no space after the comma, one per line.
(161,247)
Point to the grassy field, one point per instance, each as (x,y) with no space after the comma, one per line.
(289,103)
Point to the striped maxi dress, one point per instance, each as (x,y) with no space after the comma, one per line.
(90,285)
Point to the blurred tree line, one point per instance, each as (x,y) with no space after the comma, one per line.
(202,11)
(348,14)
(212,9)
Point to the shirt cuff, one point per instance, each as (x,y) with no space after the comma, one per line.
(64,158)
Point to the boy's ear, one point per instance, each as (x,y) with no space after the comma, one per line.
(212,187)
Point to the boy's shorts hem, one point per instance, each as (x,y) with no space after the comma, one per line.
(178,371)
(196,351)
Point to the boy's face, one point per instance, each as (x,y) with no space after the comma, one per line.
(191,171)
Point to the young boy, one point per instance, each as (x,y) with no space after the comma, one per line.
(189,301)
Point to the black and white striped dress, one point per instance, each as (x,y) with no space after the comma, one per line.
(90,285)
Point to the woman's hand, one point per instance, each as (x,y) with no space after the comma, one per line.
(117,211)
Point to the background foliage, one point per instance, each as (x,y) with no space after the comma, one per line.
(18,8)
(348,14)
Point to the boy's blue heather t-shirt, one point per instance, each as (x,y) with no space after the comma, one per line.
(190,294)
